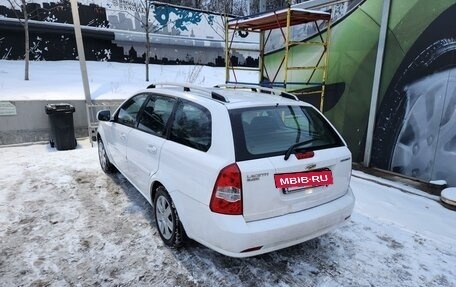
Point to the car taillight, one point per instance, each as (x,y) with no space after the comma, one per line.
(304,155)
(227,194)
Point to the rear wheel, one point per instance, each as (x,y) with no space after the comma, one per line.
(106,165)
(168,224)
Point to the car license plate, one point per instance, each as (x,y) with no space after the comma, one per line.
(303,179)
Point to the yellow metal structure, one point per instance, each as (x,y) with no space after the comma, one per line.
(282,20)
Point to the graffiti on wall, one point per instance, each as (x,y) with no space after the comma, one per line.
(415,130)
(179,35)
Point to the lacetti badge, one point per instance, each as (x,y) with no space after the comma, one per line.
(303,179)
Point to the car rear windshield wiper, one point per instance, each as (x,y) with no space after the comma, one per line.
(294,146)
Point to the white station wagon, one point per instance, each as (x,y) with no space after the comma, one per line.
(241,170)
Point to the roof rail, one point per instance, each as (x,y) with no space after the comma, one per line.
(259,89)
(189,87)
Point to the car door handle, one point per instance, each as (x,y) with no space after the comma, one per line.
(151,149)
(123,136)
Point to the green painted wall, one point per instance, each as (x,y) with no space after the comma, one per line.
(352,55)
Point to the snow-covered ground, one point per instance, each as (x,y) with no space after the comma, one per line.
(107,80)
(63,222)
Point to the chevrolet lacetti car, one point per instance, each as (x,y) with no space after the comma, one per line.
(241,171)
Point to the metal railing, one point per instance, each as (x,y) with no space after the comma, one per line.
(92,111)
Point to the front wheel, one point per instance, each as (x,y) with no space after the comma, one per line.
(168,224)
(106,165)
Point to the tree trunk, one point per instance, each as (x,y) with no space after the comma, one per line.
(27,44)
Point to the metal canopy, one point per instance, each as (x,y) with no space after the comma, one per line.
(278,19)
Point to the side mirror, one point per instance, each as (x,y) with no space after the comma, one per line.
(104,115)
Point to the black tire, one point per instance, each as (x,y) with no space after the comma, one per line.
(105,164)
(166,219)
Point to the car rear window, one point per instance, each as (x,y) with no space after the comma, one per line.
(270,131)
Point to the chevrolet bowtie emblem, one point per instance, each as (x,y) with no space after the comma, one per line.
(310,166)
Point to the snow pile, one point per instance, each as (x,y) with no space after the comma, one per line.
(449,196)
(107,80)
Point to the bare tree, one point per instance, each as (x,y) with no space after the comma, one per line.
(24,20)
(268,5)
(230,7)
(221,6)
(141,11)
(225,8)
(147,28)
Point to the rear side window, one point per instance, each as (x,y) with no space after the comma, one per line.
(128,112)
(192,126)
(270,131)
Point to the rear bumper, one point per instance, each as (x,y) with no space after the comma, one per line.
(230,235)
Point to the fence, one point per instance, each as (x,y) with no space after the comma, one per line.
(92,111)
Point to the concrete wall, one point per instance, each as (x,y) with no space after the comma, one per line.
(31,123)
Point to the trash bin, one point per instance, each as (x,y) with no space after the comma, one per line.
(62,126)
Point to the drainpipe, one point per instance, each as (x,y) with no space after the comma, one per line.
(376,83)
